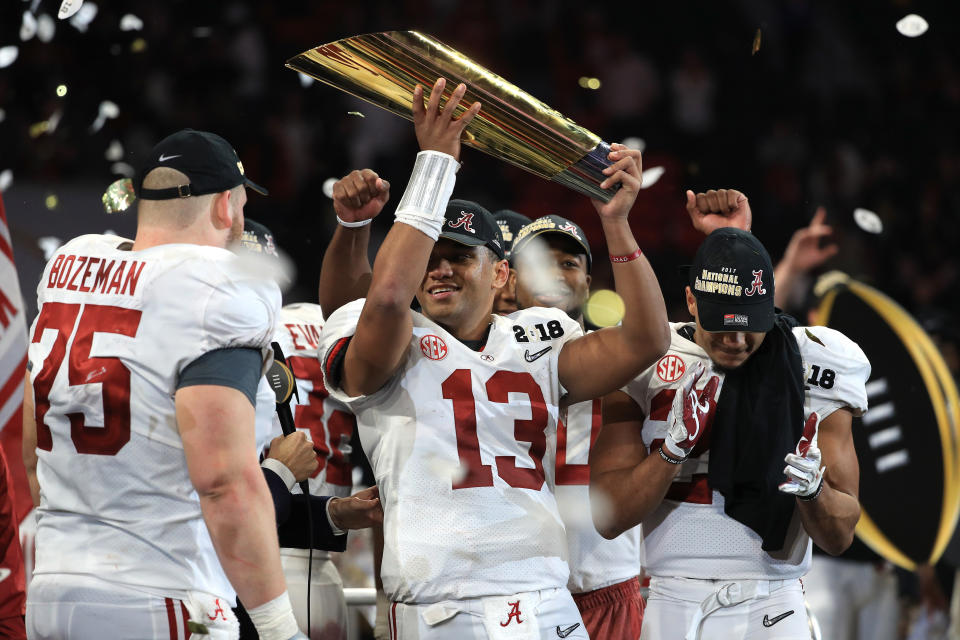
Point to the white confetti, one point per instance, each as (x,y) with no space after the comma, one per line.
(68,8)
(305,80)
(202,32)
(46,27)
(912,25)
(84,17)
(54,120)
(328,187)
(868,220)
(6,179)
(635,143)
(8,55)
(107,110)
(114,152)
(123,169)
(650,176)
(28,28)
(48,244)
(130,22)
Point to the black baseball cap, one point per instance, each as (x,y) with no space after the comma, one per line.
(552,224)
(510,223)
(732,280)
(257,238)
(208,161)
(468,223)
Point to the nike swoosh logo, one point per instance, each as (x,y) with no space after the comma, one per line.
(4,574)
(530,357)
(769,622)
(164,158)
(563,633)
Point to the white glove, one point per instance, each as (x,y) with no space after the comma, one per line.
(689,412)
(803,470)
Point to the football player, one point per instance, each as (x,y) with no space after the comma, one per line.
(510,223)
(553,261)
(695,448)
(457,407)
(143,370)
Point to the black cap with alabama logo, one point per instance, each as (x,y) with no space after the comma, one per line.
(553,224)
(208,161)
(510,223)
(732,280)
(468,223)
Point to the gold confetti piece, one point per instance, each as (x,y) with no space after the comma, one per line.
(138,46)
(62,90)
(119,196)
(52,201)
(37,129)
(756,43)
(355,113)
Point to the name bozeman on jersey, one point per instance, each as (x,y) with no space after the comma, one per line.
(447,403)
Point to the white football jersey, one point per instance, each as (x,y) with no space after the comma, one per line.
(595,562)
(462,444)
(116,329)
(329,424)
(689,535)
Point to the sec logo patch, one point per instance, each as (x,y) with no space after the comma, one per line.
(433,347)
(670,368)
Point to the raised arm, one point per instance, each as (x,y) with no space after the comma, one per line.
(825,476)
(809,248)
(384,329)
(615,355)
(345,274)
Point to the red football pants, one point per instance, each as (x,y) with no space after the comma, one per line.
(614,612)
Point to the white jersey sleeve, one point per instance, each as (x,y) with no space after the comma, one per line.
(835,371)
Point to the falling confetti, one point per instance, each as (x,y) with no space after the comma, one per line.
(868,220)
(635,143)
(61,90)
(51,201)
(68,8)
(305,80)
(8,55)
(84,17)
(756,43)
(650,176)
(119,196)
(49,125)
(114,152)
(3,115)
(48,244)
(28,28)
(108,110)
(6,179)
(589,83)
(130,22)
(46,27)
(912,25)
(604,308)
(138,46)
(355,113)
(123,169)
(328,187)
(202,32)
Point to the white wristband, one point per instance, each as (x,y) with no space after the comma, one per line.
(353,225)
(274,620)
(425,199)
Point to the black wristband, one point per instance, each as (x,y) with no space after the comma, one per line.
(813,496)
(668,458)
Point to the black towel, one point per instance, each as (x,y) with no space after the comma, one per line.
(759,420)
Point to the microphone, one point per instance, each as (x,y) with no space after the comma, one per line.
(281,380)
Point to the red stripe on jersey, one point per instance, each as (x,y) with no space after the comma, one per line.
(697,491)
(171,619)
(393,616)
(186,620)
(332,354)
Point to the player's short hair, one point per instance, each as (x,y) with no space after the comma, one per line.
(178,213)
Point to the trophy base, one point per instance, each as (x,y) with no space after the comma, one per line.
(585,175)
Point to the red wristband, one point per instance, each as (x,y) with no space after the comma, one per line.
(627,258)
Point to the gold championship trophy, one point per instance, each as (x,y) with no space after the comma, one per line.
(383,68)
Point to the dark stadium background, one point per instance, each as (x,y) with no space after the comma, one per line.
(835,108)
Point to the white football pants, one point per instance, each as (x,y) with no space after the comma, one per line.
(852,600)
(328,613)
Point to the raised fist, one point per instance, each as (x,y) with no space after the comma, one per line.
(803,470)
(716,209)
(360,195)
(689,412)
